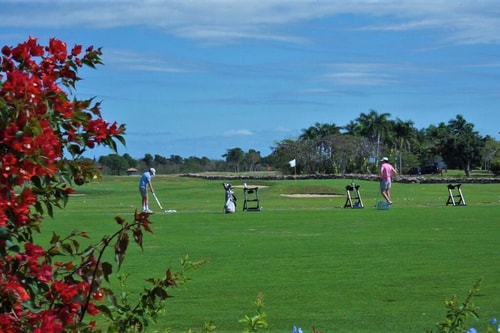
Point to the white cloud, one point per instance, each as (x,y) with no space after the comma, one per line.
(225,34)
(359,79)
(152,62)
(460,22)
(360,74)
(238,132)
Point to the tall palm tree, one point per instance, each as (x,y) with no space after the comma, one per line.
(319,137)
(404,136)
(352,128)
(319,131)
(404,133)
(375,126)
(459,124)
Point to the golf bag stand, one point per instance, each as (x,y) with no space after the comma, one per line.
(353,201)
(459,196)
(229,199)
(251,194)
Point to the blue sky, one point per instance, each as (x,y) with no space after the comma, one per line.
(195,78)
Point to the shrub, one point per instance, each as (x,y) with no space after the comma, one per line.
(495,166)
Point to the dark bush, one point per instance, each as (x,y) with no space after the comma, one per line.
(495,166)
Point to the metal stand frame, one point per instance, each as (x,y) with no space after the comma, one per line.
(459,196)
(254,193)
(353,201)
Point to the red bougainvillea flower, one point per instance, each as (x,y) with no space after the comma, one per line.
(58,49)
(40,122)
(76,50)
(48,322)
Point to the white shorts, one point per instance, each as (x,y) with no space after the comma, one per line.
(385,185)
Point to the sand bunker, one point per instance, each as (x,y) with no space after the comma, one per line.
(306,195)
(249,186)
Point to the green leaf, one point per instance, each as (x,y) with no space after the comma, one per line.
(65,198)
(36,181)
(74,149)
(55,238)
(110,296)
(30,306)
(75,244)
(107,270)
(121,247)
(50,209)
(121,139)
(12,247)
(106,311)
(5,233)
(112,145)
(68,248)
(160,292)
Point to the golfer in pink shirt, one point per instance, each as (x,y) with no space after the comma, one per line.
(386,173)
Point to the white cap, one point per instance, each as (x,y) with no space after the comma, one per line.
(153,171)
(384,159)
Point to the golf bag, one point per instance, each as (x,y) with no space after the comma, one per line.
(230,199)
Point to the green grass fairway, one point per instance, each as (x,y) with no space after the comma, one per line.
(316,263)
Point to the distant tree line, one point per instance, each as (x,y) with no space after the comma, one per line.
(354,148)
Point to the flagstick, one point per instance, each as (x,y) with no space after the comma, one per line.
(294,166)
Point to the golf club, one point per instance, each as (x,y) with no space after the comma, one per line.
(157,201)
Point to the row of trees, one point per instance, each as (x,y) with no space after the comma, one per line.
(236,160)
(353,148)
(358,146)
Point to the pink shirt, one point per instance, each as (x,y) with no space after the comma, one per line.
(386,171)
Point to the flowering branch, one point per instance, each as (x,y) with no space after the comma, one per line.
(39,126)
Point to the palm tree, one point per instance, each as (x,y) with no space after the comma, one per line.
(404,135)
(319,131)
(375,126)
(320,137)
(352,128)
